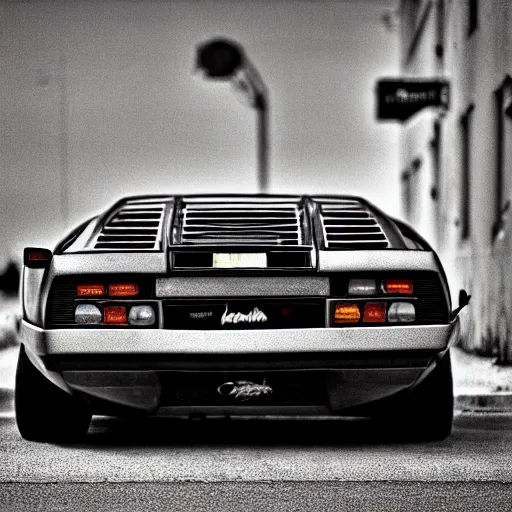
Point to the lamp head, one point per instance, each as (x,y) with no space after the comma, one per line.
(220,58)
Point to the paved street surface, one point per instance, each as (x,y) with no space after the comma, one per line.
(163,464)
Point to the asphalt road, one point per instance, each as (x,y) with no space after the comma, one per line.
(164,464)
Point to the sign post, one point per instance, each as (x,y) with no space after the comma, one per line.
(398,100)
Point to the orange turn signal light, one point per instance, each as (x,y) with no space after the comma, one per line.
(90,290)
(123,290)
(400,286)
(346,313)
(115,315)
(374,312)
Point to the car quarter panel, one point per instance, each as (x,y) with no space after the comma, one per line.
(32,290)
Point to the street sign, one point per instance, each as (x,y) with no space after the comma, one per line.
(398,100)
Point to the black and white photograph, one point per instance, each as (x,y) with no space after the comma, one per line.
(255,255)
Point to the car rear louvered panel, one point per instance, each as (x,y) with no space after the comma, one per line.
(62,305)
(430,307)
(135,226)
(241,221)
(348,224)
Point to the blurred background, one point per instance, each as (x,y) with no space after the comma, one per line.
(100,99)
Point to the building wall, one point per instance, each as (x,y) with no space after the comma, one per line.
(418,60)
(476,246)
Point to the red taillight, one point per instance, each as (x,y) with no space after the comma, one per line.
(123,290)
(374,312)
(90,290)
(399,286)
(34,257)
(115,315)
(346,313)
(37,255)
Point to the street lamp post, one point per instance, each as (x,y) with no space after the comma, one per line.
(222,59)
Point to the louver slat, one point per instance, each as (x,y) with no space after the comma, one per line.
(137,225)
(348,224)
(242,222)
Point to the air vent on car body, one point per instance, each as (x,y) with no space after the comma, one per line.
(241,221)
(348,224)
(136,225)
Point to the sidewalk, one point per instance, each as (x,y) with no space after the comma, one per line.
(479,384)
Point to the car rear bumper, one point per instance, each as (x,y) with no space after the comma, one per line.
(163,341)
(311,371)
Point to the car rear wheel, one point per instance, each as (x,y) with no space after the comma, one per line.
(426,413)
(44,412)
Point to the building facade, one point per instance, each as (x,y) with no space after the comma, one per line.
(457,164)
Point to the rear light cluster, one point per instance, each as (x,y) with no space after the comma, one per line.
(112,314)
(374,312)
(139,315)
(378,312)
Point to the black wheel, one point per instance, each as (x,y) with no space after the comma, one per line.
(44,412)
(426,412)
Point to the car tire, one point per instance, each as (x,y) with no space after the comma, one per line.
(426,412)
(44,412)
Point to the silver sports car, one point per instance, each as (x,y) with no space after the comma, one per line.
(236,305)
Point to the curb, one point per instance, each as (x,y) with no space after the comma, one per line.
(500,401)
